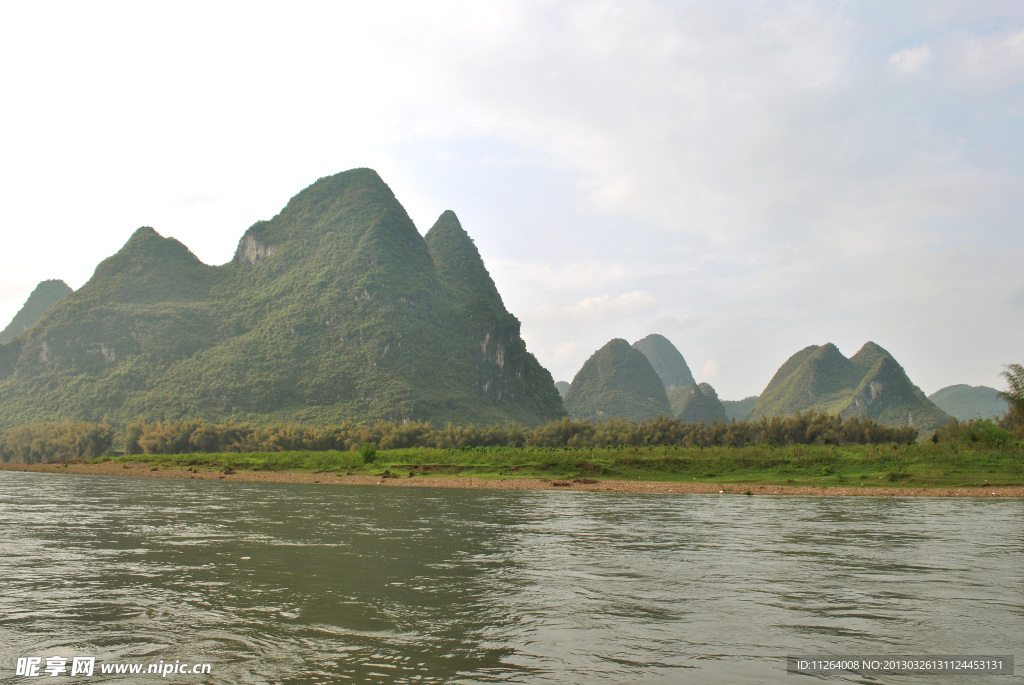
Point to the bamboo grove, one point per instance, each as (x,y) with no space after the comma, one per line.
(61,442)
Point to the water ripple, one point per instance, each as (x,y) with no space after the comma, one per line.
(277,583)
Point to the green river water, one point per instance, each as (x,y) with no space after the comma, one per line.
(276,583)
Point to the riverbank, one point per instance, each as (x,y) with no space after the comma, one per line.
(145,470)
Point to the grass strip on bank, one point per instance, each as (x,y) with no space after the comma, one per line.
(942,465)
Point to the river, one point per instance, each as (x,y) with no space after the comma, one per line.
(279,583)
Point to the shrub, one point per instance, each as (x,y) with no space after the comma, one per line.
(368,452)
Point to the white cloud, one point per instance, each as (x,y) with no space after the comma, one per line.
(994,60)
(574,276)
(604,306)
(911,61)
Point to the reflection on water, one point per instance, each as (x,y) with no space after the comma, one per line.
(275,583)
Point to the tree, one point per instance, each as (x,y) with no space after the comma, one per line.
(1014,396)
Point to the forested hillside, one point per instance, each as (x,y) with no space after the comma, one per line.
(336,309)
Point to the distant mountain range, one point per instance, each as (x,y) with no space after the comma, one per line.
(690,401)
(818,378)
(965,402)
(640,382)
(336,309)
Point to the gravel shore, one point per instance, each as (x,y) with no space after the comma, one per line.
(419,481)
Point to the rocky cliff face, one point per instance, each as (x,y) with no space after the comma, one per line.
(251,251)
(505,371)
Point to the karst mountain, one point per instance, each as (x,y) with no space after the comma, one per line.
(617,381)
(336,309)
(870,383)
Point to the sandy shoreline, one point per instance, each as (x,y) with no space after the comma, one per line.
(331,478)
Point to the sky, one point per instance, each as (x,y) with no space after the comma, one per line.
(745,178)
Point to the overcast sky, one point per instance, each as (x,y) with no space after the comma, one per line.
(745,178)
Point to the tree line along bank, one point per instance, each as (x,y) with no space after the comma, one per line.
(68,441)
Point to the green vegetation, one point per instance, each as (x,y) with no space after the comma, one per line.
(871,383)
(176,437)
(805,449)
(45,295)
(55,442)
(914,465)
(368,452)
(1014,397)
(617,381)
(46,442)
(335,309)
(739,410)
(976,431)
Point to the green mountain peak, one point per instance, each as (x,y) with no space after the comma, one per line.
(45,295)
(350,217)
(870,354)
(667,361)
(458,261)
(148,268)
(617,381)
(499,358)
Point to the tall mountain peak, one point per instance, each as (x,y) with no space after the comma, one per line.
(340,215)
(478,313)
(667,361)
(458,260)
(870,354)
